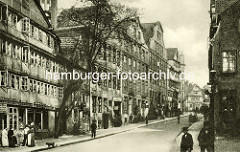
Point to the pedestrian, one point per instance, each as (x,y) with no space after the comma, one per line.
(93,128)
(187,141)
(178,115)
(11,138)
(31,137)
(146,120)
(206,139)
(5,142)
(25,132)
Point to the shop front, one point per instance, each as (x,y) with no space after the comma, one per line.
(16,117)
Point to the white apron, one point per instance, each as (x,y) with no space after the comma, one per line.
(5,138)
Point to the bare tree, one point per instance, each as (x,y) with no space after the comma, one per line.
(101,21)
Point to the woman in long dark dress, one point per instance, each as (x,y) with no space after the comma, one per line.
(11,138)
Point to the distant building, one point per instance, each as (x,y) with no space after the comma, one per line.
(195,98)
(174,83)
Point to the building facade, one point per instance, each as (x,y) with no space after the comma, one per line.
(195,99)
(175,80)
(28,49)
(153,35)
(224,45)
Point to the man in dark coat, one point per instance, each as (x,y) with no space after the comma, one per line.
(187,141)
(206,139)
(93,128)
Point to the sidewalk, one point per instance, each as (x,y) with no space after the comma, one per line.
(194,130)
(69,139)
(227,144)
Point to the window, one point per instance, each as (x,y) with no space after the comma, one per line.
(25,53)
(17,82)
(40,36)
(4,10)
(13,81)
(130,61)
(34,86)
(31,85)
(229,61)
(4,47)
(114,82)
(38,87)
(99,104)
(60,94)
(124,59)
(46,88)
(26,25)
(94,104)
(32,58)
(3,78)
(24,83)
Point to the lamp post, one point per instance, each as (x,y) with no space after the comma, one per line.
(212,98)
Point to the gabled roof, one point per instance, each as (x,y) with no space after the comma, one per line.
(43,13)
(172,54)
(148,31)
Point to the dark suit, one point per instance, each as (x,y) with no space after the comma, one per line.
(186,143)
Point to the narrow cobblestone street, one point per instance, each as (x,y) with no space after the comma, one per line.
(152,138)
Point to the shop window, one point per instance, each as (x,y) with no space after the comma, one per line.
(228,61)
(13,117)
(38,120)
(45,118)
(3,121)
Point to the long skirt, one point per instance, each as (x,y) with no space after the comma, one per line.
(31,140)
(5,142)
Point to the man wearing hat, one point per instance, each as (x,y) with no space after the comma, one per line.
(206,139)
(187,141)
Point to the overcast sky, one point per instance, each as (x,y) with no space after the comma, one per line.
(185,24)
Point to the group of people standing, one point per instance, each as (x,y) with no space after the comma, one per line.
(9,138)
(205,138)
